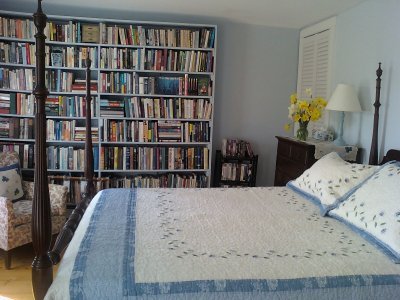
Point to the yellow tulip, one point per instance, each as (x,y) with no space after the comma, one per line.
(287,127)
(293,98)
(296,117)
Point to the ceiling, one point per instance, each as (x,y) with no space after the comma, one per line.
(276,13)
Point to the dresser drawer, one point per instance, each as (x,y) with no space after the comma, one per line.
(299,154)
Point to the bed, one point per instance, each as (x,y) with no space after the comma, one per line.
(250,243)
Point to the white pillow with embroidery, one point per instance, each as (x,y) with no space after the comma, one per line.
(374,209)
(10,182)
(330,180)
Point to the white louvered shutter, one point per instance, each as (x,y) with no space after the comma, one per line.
(315,61)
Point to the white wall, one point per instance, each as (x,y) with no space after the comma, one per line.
(367,34)
(256,73)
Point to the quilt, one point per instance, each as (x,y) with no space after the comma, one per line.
(251,243)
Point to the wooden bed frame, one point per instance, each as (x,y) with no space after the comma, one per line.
(42,265)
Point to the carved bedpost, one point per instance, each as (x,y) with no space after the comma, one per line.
(42,269)
(89,171)
(373,155)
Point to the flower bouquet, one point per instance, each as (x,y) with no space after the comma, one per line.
(303,111)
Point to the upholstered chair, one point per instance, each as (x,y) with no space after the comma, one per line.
(16,217)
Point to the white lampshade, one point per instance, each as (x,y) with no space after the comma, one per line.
(344,98)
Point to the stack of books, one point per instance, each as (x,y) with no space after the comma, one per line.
(4,103)
(170,131)
(80,134)
(111,108)
(79,86)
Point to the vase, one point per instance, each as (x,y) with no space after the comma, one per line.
(302,132)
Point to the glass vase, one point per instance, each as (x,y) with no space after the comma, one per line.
(302,132)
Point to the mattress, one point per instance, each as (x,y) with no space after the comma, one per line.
(250,243)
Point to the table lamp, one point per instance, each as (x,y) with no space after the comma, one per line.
(343,99)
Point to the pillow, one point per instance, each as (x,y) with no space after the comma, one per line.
(10,183)
(330,180)
(374,210)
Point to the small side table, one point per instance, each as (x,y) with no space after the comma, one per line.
(293,156)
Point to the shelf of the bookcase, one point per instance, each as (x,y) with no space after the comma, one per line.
(156,95)
(16,116)
(72,143)
(16,91)
(49,142)
(68,118)
(155,71)
(249,159)
(155,47)
(47,117)
(71,44)
(12,140)
(56,170)
(234,182)
(157,143)
(135,171)
(83,93)
(13,39)
(156,119)
(15,65)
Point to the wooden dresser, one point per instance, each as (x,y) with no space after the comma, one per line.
(293,157)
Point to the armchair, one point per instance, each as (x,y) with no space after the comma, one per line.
(16,218)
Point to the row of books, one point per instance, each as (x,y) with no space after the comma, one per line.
(236,171)
(168,108)
(17,53)
(131,83)
(62,130)
(178,60)
(155,131)
(17,28)
(76,185)
(69,106)
(161,181)
(71,32)
(156,59)
(60,81)
(153,158)
(68,158)
(16,128)
(24,53)
(150,36)
(71,57)
(236,148)
(17,79)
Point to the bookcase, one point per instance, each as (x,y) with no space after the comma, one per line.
(153,98)
(235,171)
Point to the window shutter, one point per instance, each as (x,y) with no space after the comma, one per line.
(315,61)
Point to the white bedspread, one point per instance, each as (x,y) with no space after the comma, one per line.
(234,234)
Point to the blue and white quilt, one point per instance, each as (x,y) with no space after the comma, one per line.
(255,243)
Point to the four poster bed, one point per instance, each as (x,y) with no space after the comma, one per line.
(256,243)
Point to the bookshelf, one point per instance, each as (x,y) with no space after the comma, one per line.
(153,87)
(235,171)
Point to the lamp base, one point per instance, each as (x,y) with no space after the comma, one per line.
(339,141)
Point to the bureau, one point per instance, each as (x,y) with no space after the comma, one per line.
(293,157)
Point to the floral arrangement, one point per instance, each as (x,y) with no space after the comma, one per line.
(303,111)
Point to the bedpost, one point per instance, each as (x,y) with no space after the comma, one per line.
(373,154)
(42,269)
(89,171)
